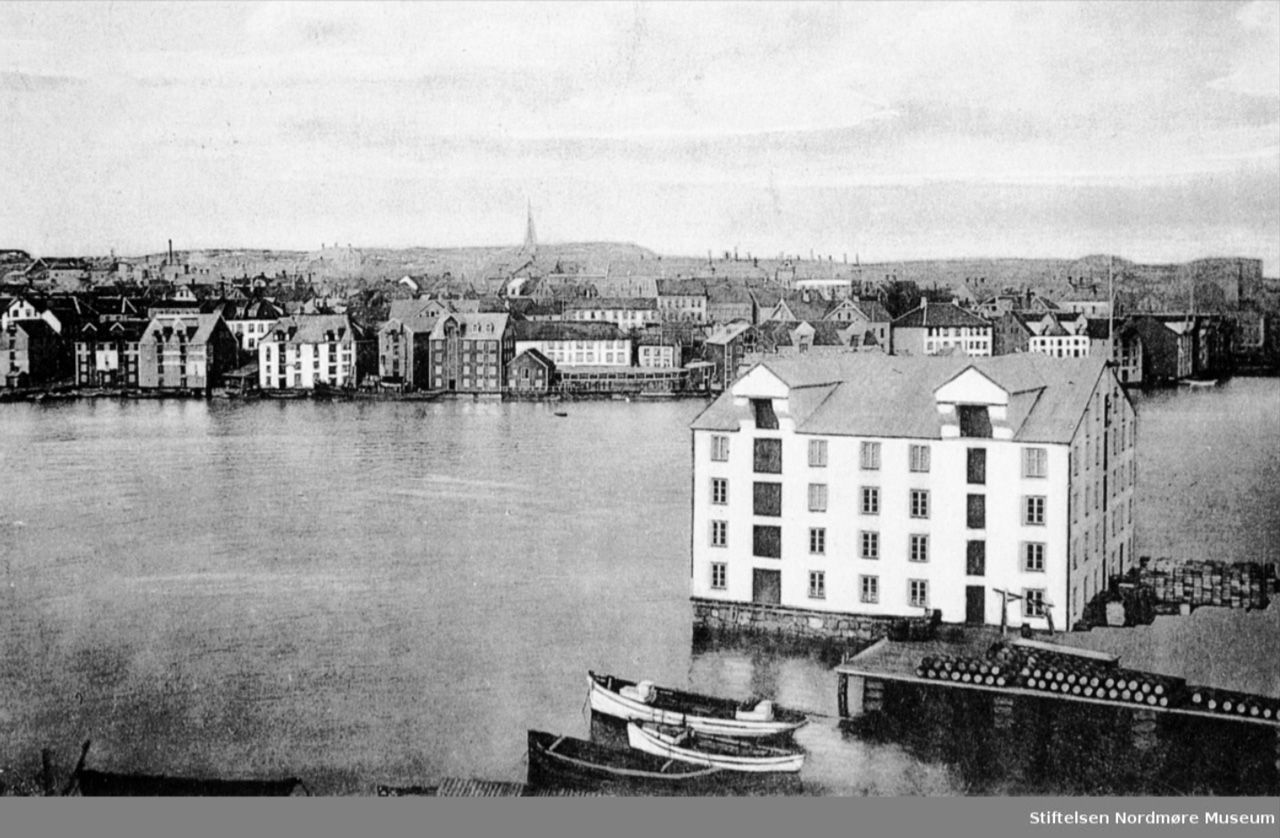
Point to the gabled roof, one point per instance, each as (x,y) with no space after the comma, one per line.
(487,326)
(627,303)
(875,395)
(38,329)
(938,315)
(197,327)
(553,330)
(537,357)
(726,334)
(314,328)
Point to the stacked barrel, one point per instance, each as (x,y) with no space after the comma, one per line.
(1197,583)
(1229,703)
(965,670)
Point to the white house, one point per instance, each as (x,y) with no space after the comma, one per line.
(892,486)
(306,350)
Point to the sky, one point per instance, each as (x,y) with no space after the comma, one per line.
(875,131)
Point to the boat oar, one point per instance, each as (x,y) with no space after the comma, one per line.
(75,775)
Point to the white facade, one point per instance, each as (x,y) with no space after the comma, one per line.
(972,340)
(581,353)
(1060,346)
(904,537)
(249,332)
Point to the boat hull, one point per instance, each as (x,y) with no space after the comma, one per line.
(748,759)
(562,761)
(611,702)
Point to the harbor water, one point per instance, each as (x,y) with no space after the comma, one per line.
(364,593)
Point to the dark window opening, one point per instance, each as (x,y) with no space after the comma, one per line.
(768,456)
(767,499)
(766,419)
(767,542)
(977,512)
(976,558)
(978,466)
(974,421)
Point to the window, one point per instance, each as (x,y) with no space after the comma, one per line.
(719,533)
(719,574)
(976,512)
(817,497)
(919,503)
(720,448)
(818,541)
(766,419)
(818,453)
(870,545)
(870,500)
(1033,557)
(766,542)
(817,584)
(1033,510)
(919,458)
(974,421)
(719,491)
(870,588)
(871,456)
(768,456)
(919,548)
(975,558)
(918,593)
(1033,602)
(767,499)
(1035,462)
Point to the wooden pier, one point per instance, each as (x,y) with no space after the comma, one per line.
(1052,712)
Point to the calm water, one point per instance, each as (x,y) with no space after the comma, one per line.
(363,593)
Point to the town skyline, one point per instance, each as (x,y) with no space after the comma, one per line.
(887,132)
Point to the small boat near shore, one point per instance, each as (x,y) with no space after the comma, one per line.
(718,751)
(106,784)
(1200,382)
(645,702)
(563,760)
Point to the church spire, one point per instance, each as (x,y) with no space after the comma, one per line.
(530,237)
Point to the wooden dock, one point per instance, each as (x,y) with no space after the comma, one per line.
(1057,713)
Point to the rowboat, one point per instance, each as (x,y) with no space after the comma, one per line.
(562,760)
(718,751)
(645,702)
(105,784)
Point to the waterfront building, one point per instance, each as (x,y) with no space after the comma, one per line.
(304,351)
(572,344)
(893,486)
(530,374)
(404,345)
(725,348)
(658,348)
(625,312)
(188,351)
(249,322)
(470,352)
(1121,343)
(934,328)
(30,353)
(1168,347)
(106,353)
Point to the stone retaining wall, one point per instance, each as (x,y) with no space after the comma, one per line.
(759,618)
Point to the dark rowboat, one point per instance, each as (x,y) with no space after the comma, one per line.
(105,784)
(645,702)
(564,761)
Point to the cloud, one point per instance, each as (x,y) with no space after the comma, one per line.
(1256,65)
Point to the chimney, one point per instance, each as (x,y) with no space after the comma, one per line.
(170,251)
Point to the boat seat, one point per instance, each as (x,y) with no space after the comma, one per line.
(642,692)
(762,712)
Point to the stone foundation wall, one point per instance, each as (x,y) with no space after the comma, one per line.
(759,618)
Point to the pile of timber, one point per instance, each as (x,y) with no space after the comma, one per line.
(1175,583)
